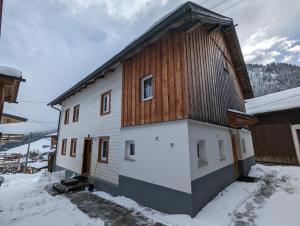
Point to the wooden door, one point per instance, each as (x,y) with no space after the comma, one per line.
(235,158)
(86,161)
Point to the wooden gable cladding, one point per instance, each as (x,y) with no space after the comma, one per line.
(163,60)
(213,86)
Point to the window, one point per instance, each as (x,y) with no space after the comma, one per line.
(103,149)
(244,146)
(76,113)
(221,150)
(73,147)
(129,150)
(67,115)
(147,88)
(201,153)
(105,103)
(64,147)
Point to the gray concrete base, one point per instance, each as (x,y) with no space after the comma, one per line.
(245,165)
(168,200)
(205,188)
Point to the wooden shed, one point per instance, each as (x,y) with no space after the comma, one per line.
(276,137)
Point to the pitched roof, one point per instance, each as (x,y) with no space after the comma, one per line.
(186,15)
(284,100)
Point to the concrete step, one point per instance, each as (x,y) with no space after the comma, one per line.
(69,181)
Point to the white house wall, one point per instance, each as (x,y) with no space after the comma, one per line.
(246,135)
(92,124)
(211,134)
(156,161)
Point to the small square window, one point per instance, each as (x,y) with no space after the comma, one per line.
(244,146)
(73,147)
(67,116)
(201,153)
(76,113)
(147,88)
(129,150)
(64,147)
(103,149)
(221,150)
(105,103)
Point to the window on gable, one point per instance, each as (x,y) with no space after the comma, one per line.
(76,113)
(129,150)
(201,153)
(221,150)
(73,147)
(147,88)
(244,146)
(105,103)
(67,116)
(103,149)
(64,147)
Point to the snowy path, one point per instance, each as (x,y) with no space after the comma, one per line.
(273,200)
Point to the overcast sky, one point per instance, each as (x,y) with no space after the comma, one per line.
(56,43)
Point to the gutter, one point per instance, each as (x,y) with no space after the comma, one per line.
(57,135)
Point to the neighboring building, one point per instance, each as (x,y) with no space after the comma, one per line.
(153,123)
(53,137)
(10,80)
(1,7)
(276,137)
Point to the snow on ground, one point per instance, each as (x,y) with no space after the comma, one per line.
(272,200)
(25,202)
(38,164)
(42,146)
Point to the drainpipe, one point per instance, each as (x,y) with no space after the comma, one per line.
(57,136)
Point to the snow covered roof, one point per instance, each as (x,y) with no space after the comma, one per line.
(284,100)
(42,146)
(51,134)
(38,165)
(10,71)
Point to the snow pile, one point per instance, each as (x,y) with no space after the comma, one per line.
(38,164)
(283,100)
(9,71)
(25,202)
(41,146)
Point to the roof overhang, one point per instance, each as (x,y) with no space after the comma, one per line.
(183,18)
(8,118)
(1,7)
(239,119)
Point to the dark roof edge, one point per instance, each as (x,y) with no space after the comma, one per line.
(14,117)
(187,7)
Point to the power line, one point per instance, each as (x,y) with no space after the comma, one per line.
(33,102)
(230,7)
(218,4)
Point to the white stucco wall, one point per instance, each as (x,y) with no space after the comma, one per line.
(245,134)
(155,161)
(211,134)
(91,123)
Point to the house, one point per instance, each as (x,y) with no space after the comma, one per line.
(10,79)
(153,124)
(276,136)
(53,138)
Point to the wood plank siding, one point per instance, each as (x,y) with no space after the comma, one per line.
(193,78)
(163,60)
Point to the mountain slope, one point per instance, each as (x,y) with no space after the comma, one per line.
(273,77)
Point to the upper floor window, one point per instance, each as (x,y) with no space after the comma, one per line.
(105,103)
(147,88)
(67,116)
(73,147)
(63,147)
(103,149)
(76,113)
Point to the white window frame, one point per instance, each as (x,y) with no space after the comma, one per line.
(201,153)
(106,103)
(143,87)
(244,147)
(222,155)
(128,155)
